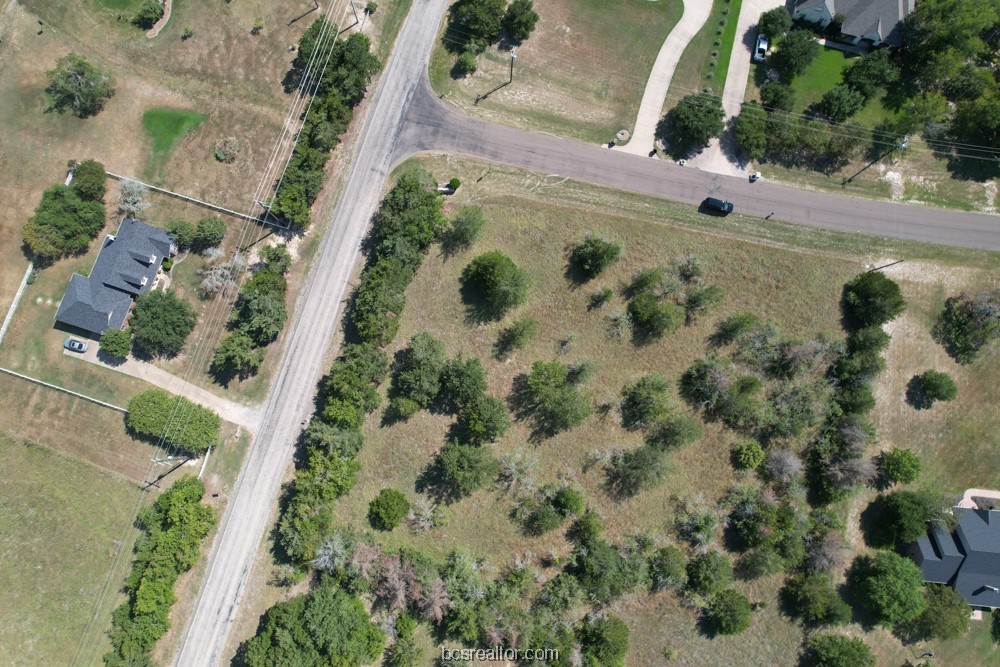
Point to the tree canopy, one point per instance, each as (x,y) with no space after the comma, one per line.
(325,627)
(871,299)
(177,421)
(695,121)
(519,20)
(494,284)
(796,53)
(161,322)
(474,24)
(77,86)
(969,325)
(90,181)
(888,585)
(63,224)
(116,343)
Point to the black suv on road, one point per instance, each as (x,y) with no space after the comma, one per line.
(720,205)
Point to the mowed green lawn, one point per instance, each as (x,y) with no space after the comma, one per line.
(823,74)
(165,126)
(61,521)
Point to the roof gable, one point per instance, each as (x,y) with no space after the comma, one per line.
(125,268)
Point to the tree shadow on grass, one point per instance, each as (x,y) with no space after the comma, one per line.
(477,309)
(916,396)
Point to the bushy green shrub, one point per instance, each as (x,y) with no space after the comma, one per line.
(673,432)
(63,224)
(483,420)
(709,573)
(888,585)
(603,642)
(871,299)
(899,466)
(387,509)
(557,404)
(839,651)
(465,227)
(668,568)
(749,455)
(463,382)
(729,612)
(938,386)
(418,370)
(464,469)
(651,317)
(90,181)
(172,531)
(515,336)
(814,598)
(494,284)
(969,325)
(175,420)
(946,616)
(116,343)
(593,254)
(645,401)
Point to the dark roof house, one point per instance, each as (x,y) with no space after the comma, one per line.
(125,268)
(879,21)
(968,558)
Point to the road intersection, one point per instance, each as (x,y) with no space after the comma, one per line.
(406,118)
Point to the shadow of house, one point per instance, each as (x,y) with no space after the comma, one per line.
(967,559)
(126,267)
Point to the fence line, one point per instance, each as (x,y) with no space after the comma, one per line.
(64,390)
(199,202)
(16,301)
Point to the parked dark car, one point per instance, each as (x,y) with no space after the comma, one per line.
(75,345)
(719,205)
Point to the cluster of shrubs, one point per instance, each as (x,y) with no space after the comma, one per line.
(173,529)
(207,233)
(549,509)
(258,316)
(173,420)
(350,68)
(68,217)
(662,299)
(645,406)
(550,393)
(408,220)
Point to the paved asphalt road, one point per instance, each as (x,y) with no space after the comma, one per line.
(289,401)
(433,126)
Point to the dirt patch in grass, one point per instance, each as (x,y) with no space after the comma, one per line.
(60,529)
(581,74)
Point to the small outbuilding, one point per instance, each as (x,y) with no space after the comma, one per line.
(125,268)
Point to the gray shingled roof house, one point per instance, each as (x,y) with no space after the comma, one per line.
(968,558)
(880,21)
(124,269)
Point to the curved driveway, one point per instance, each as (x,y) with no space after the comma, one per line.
(430,125)
(696,12)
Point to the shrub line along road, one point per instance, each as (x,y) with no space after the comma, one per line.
(289,400)
(405,118)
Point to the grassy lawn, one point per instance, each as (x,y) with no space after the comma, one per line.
(388,19)
(165,126)
(821,75)
(694,71)
(60,528)
(791,276)
(581,74)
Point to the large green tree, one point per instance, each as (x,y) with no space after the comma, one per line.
(888,585)
(519,20)
(871,299)
(796,52)
(63,224)
(161,322)
(969,325)
(77,86)
(325,627)
(603,642)
(474,24)
(839,651)
(774,23)
(946,616)
(751,130)
(692,123)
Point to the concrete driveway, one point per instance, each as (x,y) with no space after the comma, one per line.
(696,12)
(246,416)
(718,157)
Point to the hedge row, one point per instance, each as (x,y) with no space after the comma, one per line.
(258,316)
(408,220)
(173,529)
(348,72)
(180,423)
